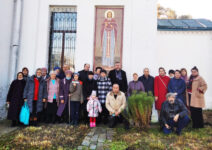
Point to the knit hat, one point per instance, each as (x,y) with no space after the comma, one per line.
(68,72)
(93,93)
(76,73)
(53,72)
(55,68)
(43,69)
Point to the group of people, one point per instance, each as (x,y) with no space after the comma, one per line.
(90,97)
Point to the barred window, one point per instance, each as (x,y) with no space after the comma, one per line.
(62,37)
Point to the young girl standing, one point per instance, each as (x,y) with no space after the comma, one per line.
(93,108)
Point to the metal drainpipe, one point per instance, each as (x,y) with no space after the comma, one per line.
(15,38)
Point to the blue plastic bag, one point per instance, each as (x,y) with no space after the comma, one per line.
(24,114)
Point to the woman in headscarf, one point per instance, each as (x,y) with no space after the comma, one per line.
(15,98)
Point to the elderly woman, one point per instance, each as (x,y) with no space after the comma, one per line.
(196,89)
(53,97)
(173,114)
(135,85)
(35,94)
(76,97)
(177,86)
(62,111)
(15,98)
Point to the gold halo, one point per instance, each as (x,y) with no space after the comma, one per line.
(113,14)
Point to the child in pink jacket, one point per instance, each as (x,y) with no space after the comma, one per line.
(93,108)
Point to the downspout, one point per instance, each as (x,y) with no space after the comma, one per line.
(15,38)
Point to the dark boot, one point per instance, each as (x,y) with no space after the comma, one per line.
(112,122)
(13,123)
(76,123)
(72,123)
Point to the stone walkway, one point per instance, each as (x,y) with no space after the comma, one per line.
(95,139)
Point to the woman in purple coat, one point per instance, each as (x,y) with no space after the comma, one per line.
(62,111)
(135,85)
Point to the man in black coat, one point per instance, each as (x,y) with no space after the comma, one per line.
(83,74)
(119,77)
(88,86)
(147,80)
(173,114)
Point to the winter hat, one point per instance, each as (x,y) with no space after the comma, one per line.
(93,93)
(53,72)
(76,73)
(68,72)
(55,68)
(43,69)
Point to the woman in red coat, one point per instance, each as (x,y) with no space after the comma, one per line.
(160,88)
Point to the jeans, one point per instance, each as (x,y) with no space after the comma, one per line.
(180,124)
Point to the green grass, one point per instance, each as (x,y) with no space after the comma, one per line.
(153,138)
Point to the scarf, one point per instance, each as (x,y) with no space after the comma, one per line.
(189,86)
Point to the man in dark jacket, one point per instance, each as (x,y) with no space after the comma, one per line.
(173,114)
(88,86)
(35,93)
(83,74)
(119,77)
(147,80)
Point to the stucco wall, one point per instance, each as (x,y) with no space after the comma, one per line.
(139,32)
(177,49)
(5,31)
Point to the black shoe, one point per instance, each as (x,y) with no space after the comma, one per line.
(35,123)
(13,124)
(76,123)
(72,123)
(178,133)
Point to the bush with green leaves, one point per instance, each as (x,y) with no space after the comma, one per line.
(139,109)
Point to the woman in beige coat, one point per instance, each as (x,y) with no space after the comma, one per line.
(196,89)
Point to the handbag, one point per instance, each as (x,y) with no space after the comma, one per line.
(24,114)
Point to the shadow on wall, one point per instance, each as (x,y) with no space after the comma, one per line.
(3,94)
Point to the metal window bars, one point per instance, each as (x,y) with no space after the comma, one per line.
(62,39)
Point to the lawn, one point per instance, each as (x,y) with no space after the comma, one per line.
(52,137)
(62,137)
(153,138)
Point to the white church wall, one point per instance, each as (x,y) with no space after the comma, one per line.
(177,49)
(139,32)
(6,8)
